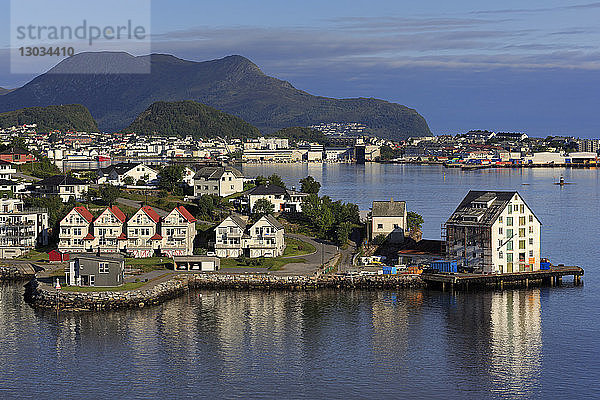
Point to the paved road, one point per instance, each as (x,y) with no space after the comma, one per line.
(324,252)
(26,177)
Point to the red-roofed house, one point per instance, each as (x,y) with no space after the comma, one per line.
(74,228)
(108,227)
(17,155)
(179,231)
(140,229)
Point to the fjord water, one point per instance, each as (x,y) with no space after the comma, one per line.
(525,343)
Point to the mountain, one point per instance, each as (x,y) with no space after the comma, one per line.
(72,117)
(4,91)
(190,118)
(232,84)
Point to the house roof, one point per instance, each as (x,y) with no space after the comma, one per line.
(57,180)
(495,202)
(266,190)
(15,150)
(216,172)
(238,221)
(388,208)
(84,212)
(120,168)
(151,213)
(186,214)
(273,221)
(118,213)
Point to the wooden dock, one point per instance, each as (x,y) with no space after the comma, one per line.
(462,281)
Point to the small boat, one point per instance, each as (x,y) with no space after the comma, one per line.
(561,182)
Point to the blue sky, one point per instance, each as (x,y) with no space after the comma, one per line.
(462,64)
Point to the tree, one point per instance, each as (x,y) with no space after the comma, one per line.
(141,182)
(342,233)
(261,208)
(414,220)
(170,177)
(325,221)
(128,180)
(260,180)
(109,194)
(379,240)
(309,185)
(276,180)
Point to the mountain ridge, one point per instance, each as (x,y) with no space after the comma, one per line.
(232,84)
(69,117)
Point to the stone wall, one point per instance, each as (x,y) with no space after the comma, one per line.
(12,273)
(43,296)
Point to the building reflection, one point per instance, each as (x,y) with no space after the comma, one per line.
(516,341)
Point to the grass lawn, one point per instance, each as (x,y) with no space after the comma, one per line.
(274,264)
(150,263)
(126,286)
(34,255)
(295,247)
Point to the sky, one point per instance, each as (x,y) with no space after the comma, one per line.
(528,66)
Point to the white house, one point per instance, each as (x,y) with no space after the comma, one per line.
(220,181)
(283,200)
(235,238)
(117,174)
(388,218)
(494,232)
(75,231)
(64,186)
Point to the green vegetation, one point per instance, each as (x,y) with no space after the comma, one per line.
(273,264)
(211,207)
(190,118)
(388,153)
(39,254)
(109,194)
(42,168)
(309,185)
(125,286)
(150,263)
(295,247)
(326,217)
(414,220)
(57,210)
(261,208)
(379,240)
(170,177)
(72,117)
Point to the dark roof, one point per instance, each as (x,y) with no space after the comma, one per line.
(266,190)
(57,180)
(101,257)
(495,202)
(240,222)
(7,182)
(15,150)
(388,208)
(423,247)
(120,168)
(216,172)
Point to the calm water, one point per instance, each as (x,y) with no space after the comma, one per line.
(536,343)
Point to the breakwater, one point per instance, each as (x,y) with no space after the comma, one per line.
(15,273)
(43,296)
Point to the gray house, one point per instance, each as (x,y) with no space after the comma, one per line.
(95,270)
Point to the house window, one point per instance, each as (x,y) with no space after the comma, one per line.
(509,233)
(531,218)
(530,253)
(500,219)
(500,230)
(509,257)
(509,221)
(522,208)
(531,229)
(396,226)
(521,220)
(509,245)
(521,245)
(521,232)
(510,208)
(103,268)
(531,241)
(379,226)
(500,255)
(500,243)
(92,280)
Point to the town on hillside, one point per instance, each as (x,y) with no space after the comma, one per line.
(110,210)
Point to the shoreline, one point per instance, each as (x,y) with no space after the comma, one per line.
(42,296)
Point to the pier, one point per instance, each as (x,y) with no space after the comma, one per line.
(462,281)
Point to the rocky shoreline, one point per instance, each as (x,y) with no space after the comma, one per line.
(12,273)
(43,296)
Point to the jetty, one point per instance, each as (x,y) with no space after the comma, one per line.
(464,281)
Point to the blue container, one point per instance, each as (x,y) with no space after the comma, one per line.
(544,265)
(444,266)
(390,270)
